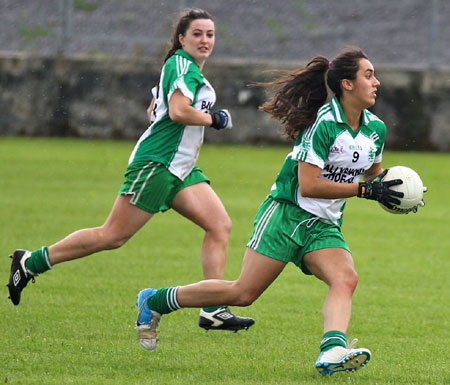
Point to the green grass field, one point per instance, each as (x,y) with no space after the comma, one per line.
(75,325)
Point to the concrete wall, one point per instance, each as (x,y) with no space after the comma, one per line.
(107,98)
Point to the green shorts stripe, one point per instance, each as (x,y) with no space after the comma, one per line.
(150,168)
(286,232)
(153,187)
(262,224)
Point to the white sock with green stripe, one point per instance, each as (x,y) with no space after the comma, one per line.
(165,300)
(332,339)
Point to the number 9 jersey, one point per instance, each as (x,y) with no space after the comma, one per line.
(343,155)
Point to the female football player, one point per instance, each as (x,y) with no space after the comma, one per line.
(336,143)
(161,173)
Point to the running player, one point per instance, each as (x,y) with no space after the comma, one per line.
(161,173)
(336,144)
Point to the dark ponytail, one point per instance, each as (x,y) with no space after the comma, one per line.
(300,93)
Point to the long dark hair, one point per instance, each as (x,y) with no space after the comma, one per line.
(300,93)
(182,25)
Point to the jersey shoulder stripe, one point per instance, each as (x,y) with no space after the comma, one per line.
(376,127)
(371,117)
(374,136)
(321,114)
(306,142)
(337,110)
(182,65)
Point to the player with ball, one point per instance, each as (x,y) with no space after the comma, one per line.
(337,155)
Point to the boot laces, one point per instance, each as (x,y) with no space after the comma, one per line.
(352,344)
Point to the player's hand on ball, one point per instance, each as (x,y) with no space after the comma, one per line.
(221,119)
(380,191)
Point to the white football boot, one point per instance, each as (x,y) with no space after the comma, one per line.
(147,321)
(339,359)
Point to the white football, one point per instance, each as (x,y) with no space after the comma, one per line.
(412,188)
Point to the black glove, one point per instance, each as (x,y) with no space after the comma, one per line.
(221,119)
(380,191)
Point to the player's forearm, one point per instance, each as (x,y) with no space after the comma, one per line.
(190,116)
(373,172)
(325,189)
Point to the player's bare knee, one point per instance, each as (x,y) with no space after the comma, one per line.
(247,298)
(347,281)
(352,280)
(112,240)
(221,229)
(117,243)
(227,225)
(244,296)
(224,226)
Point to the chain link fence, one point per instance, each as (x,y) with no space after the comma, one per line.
(409,33)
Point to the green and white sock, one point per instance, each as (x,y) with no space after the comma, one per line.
(39,262)
(332,339)
(165,300)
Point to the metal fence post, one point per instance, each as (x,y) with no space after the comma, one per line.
(434,34)
(66,10)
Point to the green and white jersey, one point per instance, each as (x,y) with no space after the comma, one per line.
(343,155)
(175,145)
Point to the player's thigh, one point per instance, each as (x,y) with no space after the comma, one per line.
(200,204)
(125,218)
(330,264)
(258,272)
